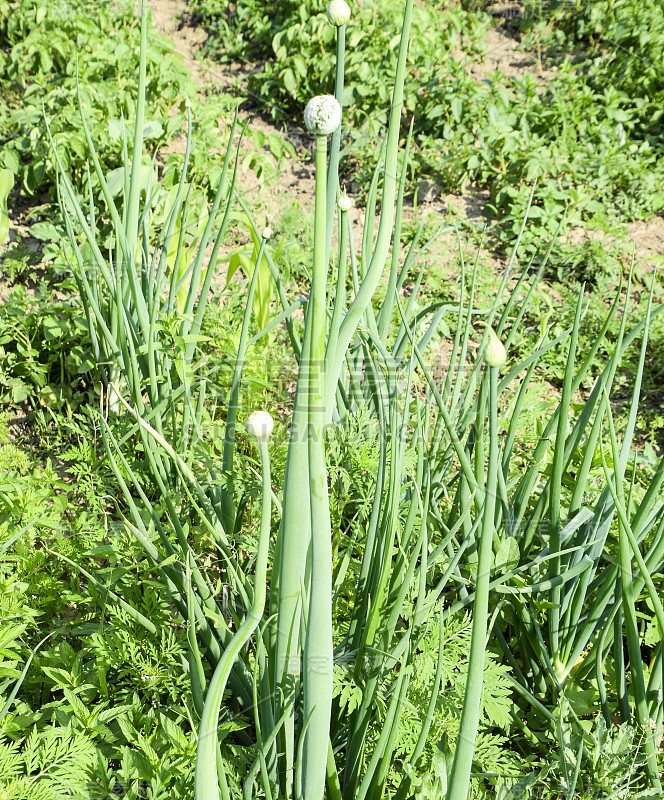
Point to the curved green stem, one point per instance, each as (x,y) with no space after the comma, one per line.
(206,781)
(627,548)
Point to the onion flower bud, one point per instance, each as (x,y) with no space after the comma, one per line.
(494,355)
(345,203)
(260,424)
(267,232)
(322,115)
(338,12)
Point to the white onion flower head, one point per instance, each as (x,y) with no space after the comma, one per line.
(345,202)
(338,12)
(260,425)
(267,232)
(322,115)
(494,355)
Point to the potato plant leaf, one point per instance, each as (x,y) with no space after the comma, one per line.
(6,184)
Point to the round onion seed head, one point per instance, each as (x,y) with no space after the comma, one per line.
(267,232)
(260,425)
(494,355)
(345,203)
(338,12)
(322,115)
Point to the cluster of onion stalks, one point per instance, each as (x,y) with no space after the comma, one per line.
(273,665)
(304,546)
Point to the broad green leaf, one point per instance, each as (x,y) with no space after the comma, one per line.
(115,127)
(173,731)
(45,232)
(236,261)
(11,161)
(115,179)
(507,557)
(6,184)
(54,328)
(289,81)
(152,130)
(19,390)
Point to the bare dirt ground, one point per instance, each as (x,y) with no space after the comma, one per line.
(171,18)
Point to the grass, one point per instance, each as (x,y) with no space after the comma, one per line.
(429,586)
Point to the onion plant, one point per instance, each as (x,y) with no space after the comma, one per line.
(143,287)
(455,524)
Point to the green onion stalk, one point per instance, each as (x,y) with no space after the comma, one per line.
(128,293)
(338,14)
(322,117)
(494,357)
(209,772)
(361,303)
(290,571)
(301,589)
(627,549)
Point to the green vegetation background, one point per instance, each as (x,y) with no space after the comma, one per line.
(102,703)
